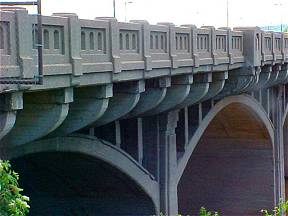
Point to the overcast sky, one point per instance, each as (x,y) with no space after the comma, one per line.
(198,12)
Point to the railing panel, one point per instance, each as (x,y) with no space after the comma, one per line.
(285,47)
(159,46)
(220,52)
(183,46)
(94,41)
(204,46)
(267,46)
(237,47)
(56,50)
(277,46)
(95,45)
(9,66)
(130,42)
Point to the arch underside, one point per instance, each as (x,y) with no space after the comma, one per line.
(231,169)
(69,178)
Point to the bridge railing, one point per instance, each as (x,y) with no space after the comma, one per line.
(77,46)
(56,50)
(285,46)
(8,45)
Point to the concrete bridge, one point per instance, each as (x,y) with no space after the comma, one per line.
(134,119)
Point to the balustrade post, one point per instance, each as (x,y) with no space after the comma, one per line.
(24,43)
(194,49)
(146,42)
(74,45)
(172,44)
(114,43)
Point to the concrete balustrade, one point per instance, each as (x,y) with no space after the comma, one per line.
(101,48)
(125,104)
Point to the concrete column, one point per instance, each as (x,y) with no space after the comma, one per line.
(278,144)
(168,163)
(24,43)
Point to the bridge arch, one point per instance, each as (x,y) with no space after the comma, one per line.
(89,173)
(229,156)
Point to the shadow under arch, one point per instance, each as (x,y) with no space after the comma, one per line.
(82,175)
(231,169)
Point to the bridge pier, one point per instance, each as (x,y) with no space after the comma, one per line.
(168,163)
(277,119)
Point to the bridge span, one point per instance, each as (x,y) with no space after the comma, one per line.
(138,119)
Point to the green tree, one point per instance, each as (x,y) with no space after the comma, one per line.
(286,29)
(279,210)
(204,212)
(12,203)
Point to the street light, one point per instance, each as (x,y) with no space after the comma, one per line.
(114,9)
(127,2)
(227,13)
(280,5)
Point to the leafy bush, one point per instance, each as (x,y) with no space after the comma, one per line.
(12,203)
(279,210)
(202,212)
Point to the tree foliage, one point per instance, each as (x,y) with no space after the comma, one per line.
(281,209)
(286,29)
(12,202)
(204,212)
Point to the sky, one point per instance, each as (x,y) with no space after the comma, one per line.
(197,12)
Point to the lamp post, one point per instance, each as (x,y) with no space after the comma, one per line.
(280,6)
(227,13)
(127,2)
(114,9)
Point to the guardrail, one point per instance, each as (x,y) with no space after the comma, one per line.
(77,46)
(5,42)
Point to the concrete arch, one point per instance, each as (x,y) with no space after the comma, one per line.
(233,147)
(101,151)
(246,100)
